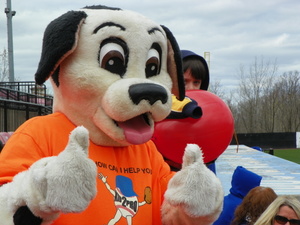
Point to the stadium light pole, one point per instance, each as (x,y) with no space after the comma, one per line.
(207,58)
(9,15)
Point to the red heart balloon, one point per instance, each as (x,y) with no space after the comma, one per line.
(212,132)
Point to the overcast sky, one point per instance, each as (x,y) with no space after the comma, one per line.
(233,31)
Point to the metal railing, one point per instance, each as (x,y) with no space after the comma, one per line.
(20,101)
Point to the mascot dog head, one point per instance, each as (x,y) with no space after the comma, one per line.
(112,71)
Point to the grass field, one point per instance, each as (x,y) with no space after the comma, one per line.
(288,154)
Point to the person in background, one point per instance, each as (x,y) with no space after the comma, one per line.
(253,205)
(196,76)
(283,210)
(195,69)
(242,182)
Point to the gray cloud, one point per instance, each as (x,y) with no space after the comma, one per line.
(233,31)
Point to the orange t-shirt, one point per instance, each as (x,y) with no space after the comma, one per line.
(130,171)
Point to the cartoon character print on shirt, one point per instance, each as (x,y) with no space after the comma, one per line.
(125,198)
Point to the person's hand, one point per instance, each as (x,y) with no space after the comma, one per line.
(102,177)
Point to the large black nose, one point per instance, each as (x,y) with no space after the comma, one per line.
(147,91)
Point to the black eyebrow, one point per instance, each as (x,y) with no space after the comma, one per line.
(108,24)
(152,30)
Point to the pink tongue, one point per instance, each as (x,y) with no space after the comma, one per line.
(136,130)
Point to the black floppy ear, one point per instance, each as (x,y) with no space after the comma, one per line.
(60,40)
(174,65)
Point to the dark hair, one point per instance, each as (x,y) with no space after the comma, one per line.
(198,70)
(253,205)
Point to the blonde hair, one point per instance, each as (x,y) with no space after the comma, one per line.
(267,217)
(253,205)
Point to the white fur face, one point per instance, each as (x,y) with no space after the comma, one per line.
(116,82)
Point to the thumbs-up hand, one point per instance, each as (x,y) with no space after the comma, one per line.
(67,181)
(194,194)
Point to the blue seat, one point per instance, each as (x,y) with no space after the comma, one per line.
(257,148)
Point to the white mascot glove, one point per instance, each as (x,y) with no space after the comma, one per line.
(194,194)
(64,183)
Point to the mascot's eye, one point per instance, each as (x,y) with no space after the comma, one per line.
(112,58)
(153,63)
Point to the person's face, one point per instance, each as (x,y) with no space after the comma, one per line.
(190,82)
(288,213)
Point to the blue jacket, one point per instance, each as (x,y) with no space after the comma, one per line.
(242,182)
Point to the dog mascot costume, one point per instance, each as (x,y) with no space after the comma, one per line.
(92,162)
